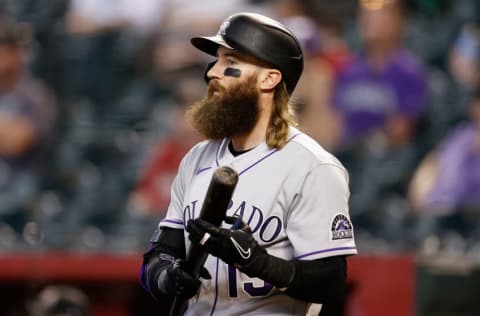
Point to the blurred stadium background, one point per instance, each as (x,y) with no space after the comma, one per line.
(92,95)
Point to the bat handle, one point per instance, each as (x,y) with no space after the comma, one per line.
(179,306)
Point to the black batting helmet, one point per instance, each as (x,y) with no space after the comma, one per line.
(261,37)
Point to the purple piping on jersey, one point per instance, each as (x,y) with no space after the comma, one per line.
(264,157)
(200,170)
(325,250)
(172,221)
(216,289)
(258,161)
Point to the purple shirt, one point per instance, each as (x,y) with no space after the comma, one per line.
(367,97)
(458,179)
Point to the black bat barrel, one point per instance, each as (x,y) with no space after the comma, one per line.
(217,198)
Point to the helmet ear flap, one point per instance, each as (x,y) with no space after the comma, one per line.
(207,69)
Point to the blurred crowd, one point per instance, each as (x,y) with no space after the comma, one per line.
(92,95)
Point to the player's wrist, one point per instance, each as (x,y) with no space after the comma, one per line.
(274,270)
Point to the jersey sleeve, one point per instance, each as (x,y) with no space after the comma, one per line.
(319,224)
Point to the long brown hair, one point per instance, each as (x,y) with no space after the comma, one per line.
(281,119)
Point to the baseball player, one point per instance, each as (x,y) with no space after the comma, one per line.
(287,231)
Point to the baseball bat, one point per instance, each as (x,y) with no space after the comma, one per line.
(217,198)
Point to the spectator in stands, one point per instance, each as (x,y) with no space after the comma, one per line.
(381,96)
(27,120)
(384,88)
(445,191)
(60,300)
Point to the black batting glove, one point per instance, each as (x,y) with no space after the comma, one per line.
(233,246)
(238,247)
(175,281)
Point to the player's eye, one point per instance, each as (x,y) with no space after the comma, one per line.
(231,62)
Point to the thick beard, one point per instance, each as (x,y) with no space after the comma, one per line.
(233,112)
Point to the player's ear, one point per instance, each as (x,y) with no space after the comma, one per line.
(269,78)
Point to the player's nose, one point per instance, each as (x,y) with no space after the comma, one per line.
(212,72)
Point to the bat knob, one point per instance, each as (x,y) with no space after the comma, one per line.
(226,175)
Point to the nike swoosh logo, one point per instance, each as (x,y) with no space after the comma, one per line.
(245,254)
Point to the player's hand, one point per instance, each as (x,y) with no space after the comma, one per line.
(233,246)
(237,246)
(176,281)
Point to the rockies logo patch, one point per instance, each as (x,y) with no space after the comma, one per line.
(341,227)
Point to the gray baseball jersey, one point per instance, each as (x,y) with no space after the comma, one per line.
(296,202)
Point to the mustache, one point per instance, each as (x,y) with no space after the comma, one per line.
(214,86)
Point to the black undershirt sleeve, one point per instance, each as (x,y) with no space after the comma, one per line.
(317,281)
(171,241)
(320,281)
